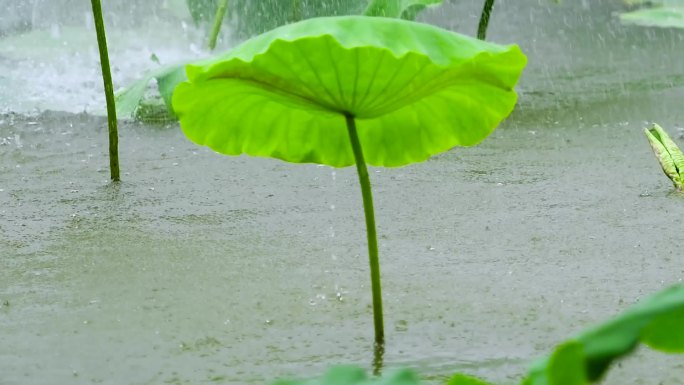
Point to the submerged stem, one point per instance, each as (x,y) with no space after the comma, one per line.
(484,19)
(370,230)
(218,21)
(378,359)
(109,91)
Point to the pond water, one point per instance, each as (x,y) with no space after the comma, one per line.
(200,268)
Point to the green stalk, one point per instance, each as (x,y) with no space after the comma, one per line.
(370,230)
(484,19)
(296,11)
(109,91)
(218,21)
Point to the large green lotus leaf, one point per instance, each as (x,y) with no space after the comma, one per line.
(618,337)
(350,375)
(414,89)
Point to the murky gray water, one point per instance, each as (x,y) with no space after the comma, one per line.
(200,268)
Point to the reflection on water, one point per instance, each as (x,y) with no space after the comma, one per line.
(378,358)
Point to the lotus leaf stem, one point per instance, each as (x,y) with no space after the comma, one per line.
(296,11)
(370,230)
(484,19)
(218,21)
(109,91)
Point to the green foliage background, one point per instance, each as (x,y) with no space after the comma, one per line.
(256,17)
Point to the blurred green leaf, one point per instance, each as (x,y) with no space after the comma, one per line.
(128,100)
(462,379)
(653,3)
(618,337)
(255,17)
(202,10)
(664,17)
(666,332)
(405,9)
(566,365)
(350,375)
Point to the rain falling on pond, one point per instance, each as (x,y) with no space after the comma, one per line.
(509,187)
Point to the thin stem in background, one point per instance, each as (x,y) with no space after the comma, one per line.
(370,231)
(109,91)
(484,19)
(218,21)
(296,11)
